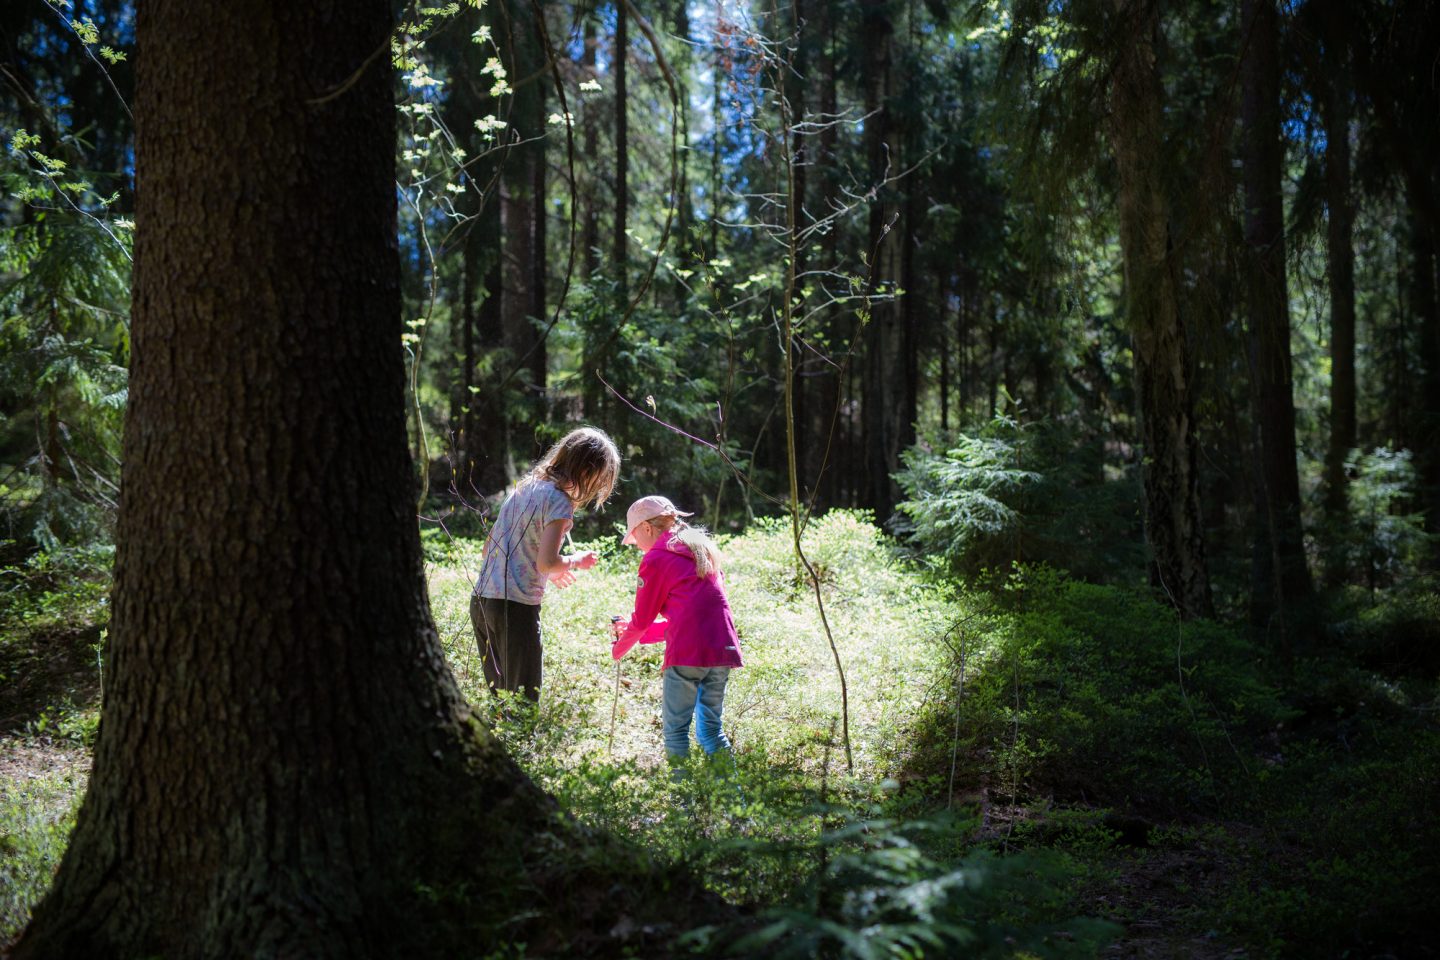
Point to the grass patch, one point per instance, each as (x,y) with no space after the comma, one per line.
(814,858)
(39,794)
(782,830)
(1295,813)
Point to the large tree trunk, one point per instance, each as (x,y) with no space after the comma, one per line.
(284,760)
(683,240)
(1268,306)
(620,242)
(522,183)
(591,396)
(590,152)
(1339,240)
(539,355)
(469,359)
(820,382)
(1162,362)
(1427,314)
(913,307)
(488,436)
(884,387)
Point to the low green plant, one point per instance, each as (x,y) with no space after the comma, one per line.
(36,816)
(1386,539)
(64,588)
(1096,693)
(1353,815)
(880,891)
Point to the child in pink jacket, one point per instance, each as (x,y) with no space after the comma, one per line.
(680,579)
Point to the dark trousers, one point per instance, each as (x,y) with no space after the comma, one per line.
(508,635)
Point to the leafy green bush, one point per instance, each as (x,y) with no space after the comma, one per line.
(1395,631)
(880,890)
(1355,819)
(61,588)
(64,346)
(1385,542)
(1095,693)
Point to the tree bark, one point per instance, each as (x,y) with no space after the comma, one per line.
(1427,313)
(883,407)
(912,305)
(284,760)
(1162,363)
(684,232)
(822,383)
(490,433)
(522,184)
(1267,302)
(590,150)
(620,243)
(1339,241)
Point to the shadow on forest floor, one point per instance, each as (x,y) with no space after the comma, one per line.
(41,671)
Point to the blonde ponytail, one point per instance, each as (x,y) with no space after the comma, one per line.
(706,553)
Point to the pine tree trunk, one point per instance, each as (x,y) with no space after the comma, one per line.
(884,385)
(683,241)
(592,397)
(489,442)
(912,305)
(590,151)
(522,170)
(822,385)
(1162,364)
(1339,241)
(284,757)
(620,243)
(539,355)
(469,360)
(944,332)
(1267,302)
(717,149)
(1423,263)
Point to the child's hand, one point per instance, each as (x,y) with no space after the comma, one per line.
(618,647)
(562,579)
(583,561)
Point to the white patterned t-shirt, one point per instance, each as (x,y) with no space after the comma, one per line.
(510,570)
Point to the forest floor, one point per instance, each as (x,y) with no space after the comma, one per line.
(1163,885)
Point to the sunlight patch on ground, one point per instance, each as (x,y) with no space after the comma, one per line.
(787,698)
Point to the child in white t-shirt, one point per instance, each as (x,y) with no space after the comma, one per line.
(522,554)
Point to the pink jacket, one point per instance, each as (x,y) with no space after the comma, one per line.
(698,630)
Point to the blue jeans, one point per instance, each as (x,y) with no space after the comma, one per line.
(699,691)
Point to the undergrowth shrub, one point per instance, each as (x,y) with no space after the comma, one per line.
(1354,865)
(64,588)
(1385,539)
(1396,632)
(1084,692)
(36,816)
(1038,491)
(886,888)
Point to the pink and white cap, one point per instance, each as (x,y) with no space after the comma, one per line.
(648,508)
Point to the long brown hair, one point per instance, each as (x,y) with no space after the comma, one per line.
(584,463)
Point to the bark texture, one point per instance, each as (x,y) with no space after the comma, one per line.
(522,368)
(1340,245)
(1423,297)
(619,240)
(1268,306)
(1162,363)
(284,761)
(883,412)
